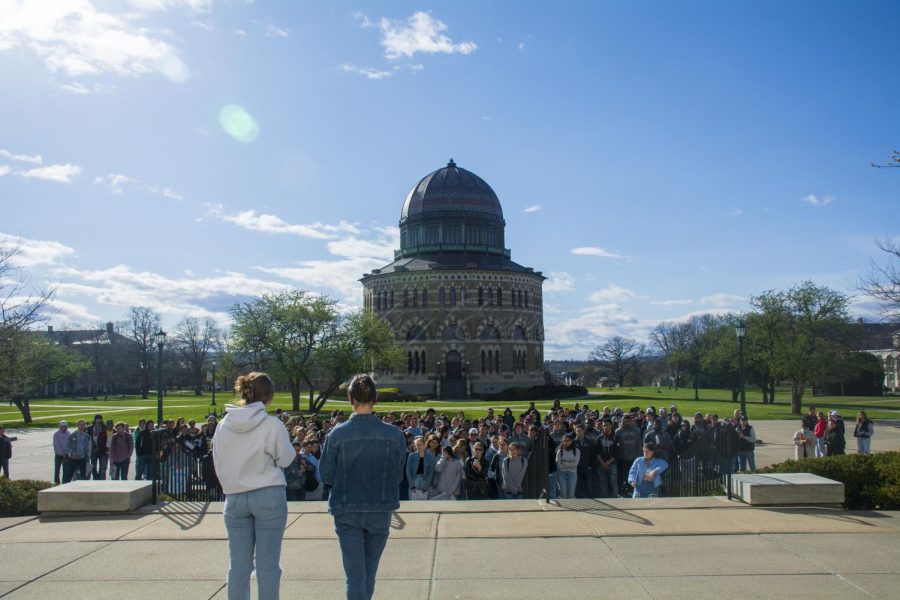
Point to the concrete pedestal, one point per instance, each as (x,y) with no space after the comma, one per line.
(787,489)
(95,496)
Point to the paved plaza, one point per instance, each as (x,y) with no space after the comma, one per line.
(630,549)
(33,452)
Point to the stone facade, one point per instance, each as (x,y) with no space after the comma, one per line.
(470,319)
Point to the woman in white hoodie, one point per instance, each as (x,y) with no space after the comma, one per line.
(250,450)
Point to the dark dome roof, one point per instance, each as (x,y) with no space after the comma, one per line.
(451,189)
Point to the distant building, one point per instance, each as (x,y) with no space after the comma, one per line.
(883,340)
(107,352)
(468,317)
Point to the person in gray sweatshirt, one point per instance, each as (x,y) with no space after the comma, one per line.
(450,474)
(567,457)
(513,468)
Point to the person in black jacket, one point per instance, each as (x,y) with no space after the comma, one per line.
(605,452)
(143,451)
(834,440)
(584,483)
(476,475)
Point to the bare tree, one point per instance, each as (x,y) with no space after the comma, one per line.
(883,281)
(620,355)
(195,339)
(141,327)
(670,339)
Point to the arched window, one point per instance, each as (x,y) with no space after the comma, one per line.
(519,333)
(452,296)
(499,296)
(415,296)
(416,333)
(483,364)
(526,299)
(490,296)
(481,296)
(443,299)
(405,298)
(425,298)
(377,300)
(392,299)
(525,359)
(409,363)
(496,361)
(416,361)
(462,296)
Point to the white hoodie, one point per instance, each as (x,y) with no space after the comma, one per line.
(250,449)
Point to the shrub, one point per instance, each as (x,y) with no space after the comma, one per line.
(538,392)
(387,394)
(871,481)
(18,498)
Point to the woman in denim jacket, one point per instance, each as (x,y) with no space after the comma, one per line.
(419,470)
(645,474)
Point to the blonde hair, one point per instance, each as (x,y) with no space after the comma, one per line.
(255,387)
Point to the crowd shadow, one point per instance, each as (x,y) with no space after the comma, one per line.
(397,521)
(596,506)
(186,515)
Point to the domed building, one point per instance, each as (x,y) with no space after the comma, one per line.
(469,318)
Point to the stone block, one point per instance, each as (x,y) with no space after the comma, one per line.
(95,496)
(787,489)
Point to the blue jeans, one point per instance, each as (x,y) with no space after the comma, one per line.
(864,445)
(645,489)
(552,493)
(98,471)
(255,520)
(512,496)
(120,470)
(609,481)
(567,483)
(362,537)
(4,467)
(142,466)
(746,459)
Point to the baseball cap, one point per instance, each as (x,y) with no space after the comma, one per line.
(698,414)
(473,430)
(834,413)
(63,423)
(618,411)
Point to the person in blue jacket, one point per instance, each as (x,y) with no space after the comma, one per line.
(645,475)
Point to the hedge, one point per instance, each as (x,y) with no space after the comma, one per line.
(538,392)
(871,481)
(18,497)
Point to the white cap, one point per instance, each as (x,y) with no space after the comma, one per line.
(473,430)
(63,424)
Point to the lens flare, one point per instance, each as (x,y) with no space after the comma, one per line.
(238,123)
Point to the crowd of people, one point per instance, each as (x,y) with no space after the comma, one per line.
(825,435)
(583,452)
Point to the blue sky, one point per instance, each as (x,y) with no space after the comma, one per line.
(653,159)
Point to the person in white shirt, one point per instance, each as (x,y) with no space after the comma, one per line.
(250,451)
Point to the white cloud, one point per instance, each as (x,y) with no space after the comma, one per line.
(240,33)
(723,300)
(59,173)
(254,221)
(559,282)
(816,201)
(273,31)
(164,5)
(4,170)
(201,25)
(115,182)
(612,293)
(594,251)
(32,253)
(420,33)
(366,72)
(118,184)
(34,159)
(704,269)
(533,208)
(521,46)
(672,302)
(575,335)
(75,88)
(71,314)
(735,212)
(75,38)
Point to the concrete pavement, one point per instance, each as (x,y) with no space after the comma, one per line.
(634,549)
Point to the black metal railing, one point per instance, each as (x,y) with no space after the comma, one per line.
(184,471)
(698,471)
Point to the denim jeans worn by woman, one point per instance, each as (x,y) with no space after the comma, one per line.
(567,482)
(255,519)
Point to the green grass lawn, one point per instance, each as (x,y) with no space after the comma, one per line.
(48,412)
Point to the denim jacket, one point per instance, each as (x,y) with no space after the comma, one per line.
(412,465)
(639,467)
(362,461)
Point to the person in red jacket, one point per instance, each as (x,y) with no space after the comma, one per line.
(819,431)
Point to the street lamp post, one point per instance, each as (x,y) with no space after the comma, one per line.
(741,331)
(160,342)
(214,383)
